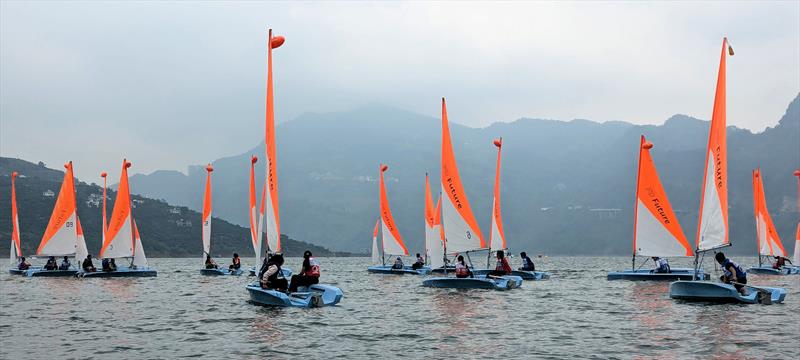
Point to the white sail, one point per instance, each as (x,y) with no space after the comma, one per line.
(119,236)
(797,246)
(377,258)
(434,245)
(81,251)
(139,259)
(713,225)
(207,208)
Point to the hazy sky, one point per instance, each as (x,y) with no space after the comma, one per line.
(171,84)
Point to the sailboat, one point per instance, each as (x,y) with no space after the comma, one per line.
(16,247)
(391,241)
(712,225)
(121,238)
(461,231)
(656,230)
(497,237)
(61,235)
(311,296)
(767,239)
(796,257)
(206,232)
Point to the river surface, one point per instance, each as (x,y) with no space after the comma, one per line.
(577,313)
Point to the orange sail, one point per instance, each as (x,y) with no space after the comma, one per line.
(119,240)
(273,223)
(656,230)
(461,231)
(207,214)
(497,238)
(60,236)
(430,216)
(255,235)
(769,243)
(80,247)
(377,257)
(712,226)
(16,248)
(392,241)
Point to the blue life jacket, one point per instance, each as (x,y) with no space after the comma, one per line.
(740,274)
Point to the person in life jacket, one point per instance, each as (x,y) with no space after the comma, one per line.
(87,264)
(662,266)
(51,264)
(112,265)
(23,264)
(731,273)
(502,267)
(419,263)
(398,264)
(210,264)
(273,278)
(462,270)
(64,264)
(527,263)
(106,264)
(309,273)
(236,263)
(780,262)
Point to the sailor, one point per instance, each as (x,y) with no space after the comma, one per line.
(462,270)
(527,263)
(419,263)
(87,265)
(398,264)
(23,264)
(51,264)
(273,278)
(502,267)
(309,273)
(236,263)
(780,262)
(112,265)
(64,264)
(210,264)
(662,266)
(731,273)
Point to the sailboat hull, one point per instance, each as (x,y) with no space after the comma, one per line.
(768,270)
(646,275)
(22,272)
(704,291)
(121,272)
(221,272)
(49,273)
(387,269)
(525,275)
(313,296)
(440,270)
(478,282)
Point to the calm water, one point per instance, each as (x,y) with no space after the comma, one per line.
(577,313)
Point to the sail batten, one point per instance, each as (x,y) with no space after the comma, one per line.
(712,225)
(61,235)
(461,231)
(392,241)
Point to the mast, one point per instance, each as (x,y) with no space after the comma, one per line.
(497,237)
(636,204)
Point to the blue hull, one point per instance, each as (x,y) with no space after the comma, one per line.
(768,270)
(525,275)
(16,271)
(287,273)
(315,296)
(221,272)
(50,273)
(705,291)
(121,272)
(645,275)
(478,282)
(387,269)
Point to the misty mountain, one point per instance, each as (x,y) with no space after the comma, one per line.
(567,187)
(166,230)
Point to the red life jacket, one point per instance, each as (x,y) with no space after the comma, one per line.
(461,270)
(313,268)
(502,265)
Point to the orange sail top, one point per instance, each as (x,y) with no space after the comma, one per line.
(712,226)
(392,241)
(497,237)
(60,236)
(461,231)
(16,249)
(657,231)
(272,215)
(119,240)
(769,243)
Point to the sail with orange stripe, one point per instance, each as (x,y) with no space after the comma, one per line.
(273,224)
(16,248)
(712,226)
(80,247)
(769,243)
(61,235)
(119,240)
(207,214)
(139,259)
(656,230)
(377,257)
(461,231)
(434,249)
(497,238)
(797,246)
(255,235)
(392,241)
